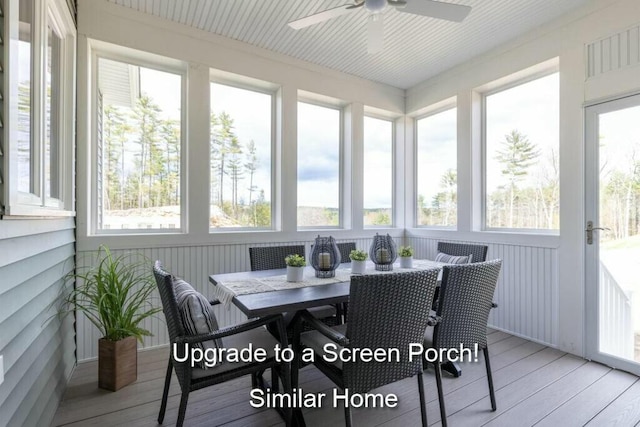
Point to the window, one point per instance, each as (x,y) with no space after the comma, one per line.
(40,114)
(139,147)
(24,134)
(319,130)
(436,169)
(241,146)
(521,156)
(378,172)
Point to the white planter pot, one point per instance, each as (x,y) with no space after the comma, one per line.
(406,262)
(295,274)
(358,267)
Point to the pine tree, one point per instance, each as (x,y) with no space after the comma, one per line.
(517,155)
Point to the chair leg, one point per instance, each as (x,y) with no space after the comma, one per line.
(182,411)
(165,393)
(492,393)
(347,415)
(274,380)
(423,404)
(285,376)
(443,410)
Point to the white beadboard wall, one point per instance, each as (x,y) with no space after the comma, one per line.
(527,292)
(194,264)
(614,52)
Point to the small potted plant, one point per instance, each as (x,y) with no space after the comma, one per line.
(358,261)
(114,293)
(295,267)
(406,256)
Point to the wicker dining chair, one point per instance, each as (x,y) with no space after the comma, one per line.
(239,336)
(466,295)
(272,257)
(478,252)
(387,311)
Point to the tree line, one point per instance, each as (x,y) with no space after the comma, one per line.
(517,202)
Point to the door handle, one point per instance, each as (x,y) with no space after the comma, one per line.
(590,229)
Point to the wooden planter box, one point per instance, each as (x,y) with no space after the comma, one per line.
(117,363)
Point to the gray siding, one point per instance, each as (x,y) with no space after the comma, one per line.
(38,348)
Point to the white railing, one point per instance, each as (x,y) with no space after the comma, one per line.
(616,321)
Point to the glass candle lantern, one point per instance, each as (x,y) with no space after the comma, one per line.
(383,252)
(325,257)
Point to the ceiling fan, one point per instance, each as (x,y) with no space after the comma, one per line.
(431,8)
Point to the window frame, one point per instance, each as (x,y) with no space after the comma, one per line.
(377,116)
(440,108)
(266,89)
(340,107)
(56,15)
(509,82)
(155,62)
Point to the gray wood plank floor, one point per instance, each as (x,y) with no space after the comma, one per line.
(535,385)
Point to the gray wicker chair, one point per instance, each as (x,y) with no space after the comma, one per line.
(466,293)
(272,257)
(387,311)
(479,252)
(238,336)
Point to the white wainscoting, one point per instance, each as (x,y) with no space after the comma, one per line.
(194,264)
(527,292)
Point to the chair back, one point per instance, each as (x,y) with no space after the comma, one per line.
(272,257)
(388,311)
(479,252)
(466,294)
(345,249)
(164,280)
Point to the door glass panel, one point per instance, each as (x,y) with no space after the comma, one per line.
(619,244)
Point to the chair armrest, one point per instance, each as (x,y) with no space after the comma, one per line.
(233,330)
(325,330)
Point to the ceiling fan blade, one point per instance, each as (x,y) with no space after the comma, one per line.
(319,17)
(375,33)
(436,9)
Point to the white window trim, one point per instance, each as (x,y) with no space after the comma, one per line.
(528,75)
(265,88)
(57,14)
(147,60)
(438,108)
(394,128)
(344,217)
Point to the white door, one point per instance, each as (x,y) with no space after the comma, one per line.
(612,234)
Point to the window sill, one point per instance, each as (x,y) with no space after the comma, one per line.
(512,237)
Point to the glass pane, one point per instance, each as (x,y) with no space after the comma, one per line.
(437,168)
(378,172)
(139,138)
(522,142)
(318,166)
(619,208)
(52,109)
(24,140)
(241,138)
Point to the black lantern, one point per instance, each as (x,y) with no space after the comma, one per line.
(325,257)
(383,252)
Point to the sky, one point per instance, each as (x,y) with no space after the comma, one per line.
(532,109)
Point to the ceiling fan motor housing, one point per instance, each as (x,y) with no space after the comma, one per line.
(375,6)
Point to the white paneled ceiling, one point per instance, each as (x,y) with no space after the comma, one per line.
(415,47)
